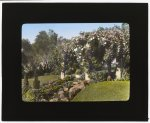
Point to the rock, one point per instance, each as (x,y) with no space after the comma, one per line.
(50,82)
(65,100)
(75,83)
(72,92)
(55,94)
(53,100)
(61,94)
(109,78)
(81,86)
(86,82)
(75,89)
(65,89)
(78,76)
(43,100)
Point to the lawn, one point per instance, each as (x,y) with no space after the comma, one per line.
(105,91)
(44,79)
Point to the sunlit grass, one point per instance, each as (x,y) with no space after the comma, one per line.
(105,91)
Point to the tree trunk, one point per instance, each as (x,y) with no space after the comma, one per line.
(109,68)
(36,82)
(86,76)
(121,66)
(64,67)
(62,76)
(90,66)
(25,84)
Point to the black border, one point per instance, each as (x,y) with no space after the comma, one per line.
(16,14)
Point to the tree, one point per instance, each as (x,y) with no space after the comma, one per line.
(42,43)
(26,55)
(28,63)
(69,59)
(104,46)
(46,47)
(52,37)
(26,51)
(90,51)
(124,53)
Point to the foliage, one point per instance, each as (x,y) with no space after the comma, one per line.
(97,53)
(98,75)
(29,96)
(45,89)
(60,81)
(26,51)
(27,56)
(45,74)
(42,56)
(78,71)
(36,82)
(68,78)
(125,76)
(104,46)
(56,88)
(90,51)
(69,62)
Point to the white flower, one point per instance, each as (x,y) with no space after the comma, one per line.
(79,57)
(87,45)
(75,49)
(103,39)
(114,61)
(91,39)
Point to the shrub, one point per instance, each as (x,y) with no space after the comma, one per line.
(29,96)
(82,76)
(46,74)
(46,92)
(56,88)
(78,71)
(98,75)
(68,84)
(127,76)
(36,84)
(25,84)
(59,81)
(70,71)
(55,72)
(68,78)
(45,89)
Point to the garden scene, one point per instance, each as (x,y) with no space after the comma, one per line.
(92,64)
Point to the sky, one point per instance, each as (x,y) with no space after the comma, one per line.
(66,30)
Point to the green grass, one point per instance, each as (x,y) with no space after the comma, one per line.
(44,79)
(105,91)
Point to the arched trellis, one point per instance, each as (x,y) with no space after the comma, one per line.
(110,46)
